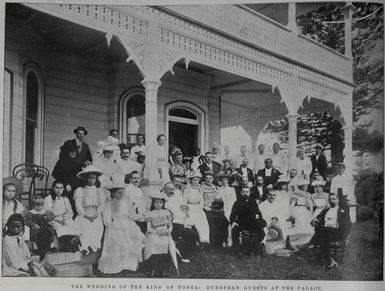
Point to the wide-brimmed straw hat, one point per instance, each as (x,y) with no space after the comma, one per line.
(80,128)
(159,195)
(301,182)
(318,183)
(275,233)
(116,186)
(111,148)
(193,174)
(283,179)
(89,170)
(15,181)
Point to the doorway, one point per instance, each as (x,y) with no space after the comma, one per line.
(184,136)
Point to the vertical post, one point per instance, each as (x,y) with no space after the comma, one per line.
(292,23)
(292,118)
(151,125)
(348,150)
(348,11)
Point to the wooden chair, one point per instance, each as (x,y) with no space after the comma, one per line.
(34,179)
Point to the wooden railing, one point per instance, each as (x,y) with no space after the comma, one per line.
(258,30)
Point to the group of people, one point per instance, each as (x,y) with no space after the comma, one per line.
(96,203)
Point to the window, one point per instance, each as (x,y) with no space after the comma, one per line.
(33,91)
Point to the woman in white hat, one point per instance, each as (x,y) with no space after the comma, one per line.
(192,197)
(109,166)
(90,203)
(158,240)
(123,240)
(319,198)
(303,208)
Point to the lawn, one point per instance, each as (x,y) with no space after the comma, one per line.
(363,261)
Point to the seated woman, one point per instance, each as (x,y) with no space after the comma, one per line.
(90,203)
(319,198)
(66,170)
(214,212)
(123,240)
(159,244)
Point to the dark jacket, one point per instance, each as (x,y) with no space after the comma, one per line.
(269,180)
(260,196)
(343,219)
(216,168)
(321,164)
(250,174)
(66,170)
(83,155)
(247,214)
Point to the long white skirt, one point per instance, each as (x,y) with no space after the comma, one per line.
(122,248)
(199,218)
(303,218)
(90,233)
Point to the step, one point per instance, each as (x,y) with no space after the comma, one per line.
(74,270)
(91,259)
(59,258)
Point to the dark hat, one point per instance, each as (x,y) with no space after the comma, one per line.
(68,147)
(187,159)
(80,128)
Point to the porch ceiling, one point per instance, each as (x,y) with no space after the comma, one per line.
(61,35)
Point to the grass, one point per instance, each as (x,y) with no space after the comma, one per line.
(363,261)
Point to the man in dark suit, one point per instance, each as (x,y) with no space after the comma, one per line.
(260,189)
(332,224)
(83,154)
(243,170)
(319,162)
(210,166)
(269,174)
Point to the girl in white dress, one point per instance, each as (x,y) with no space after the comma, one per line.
(159,245)
(16,255)
(12,188)
(123,240)
(192,197)
(90,202)
(60,206)
(162,158)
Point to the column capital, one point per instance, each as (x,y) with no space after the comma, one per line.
(151,84)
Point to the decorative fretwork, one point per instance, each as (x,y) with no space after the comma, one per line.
(182,39)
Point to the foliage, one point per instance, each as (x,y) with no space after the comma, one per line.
(326,26)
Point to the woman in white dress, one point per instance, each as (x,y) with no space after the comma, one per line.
(192,196)
(90,203)
(123,240)
(303,208)
(228,196)
(161,150)
(110,168)
(320,198)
